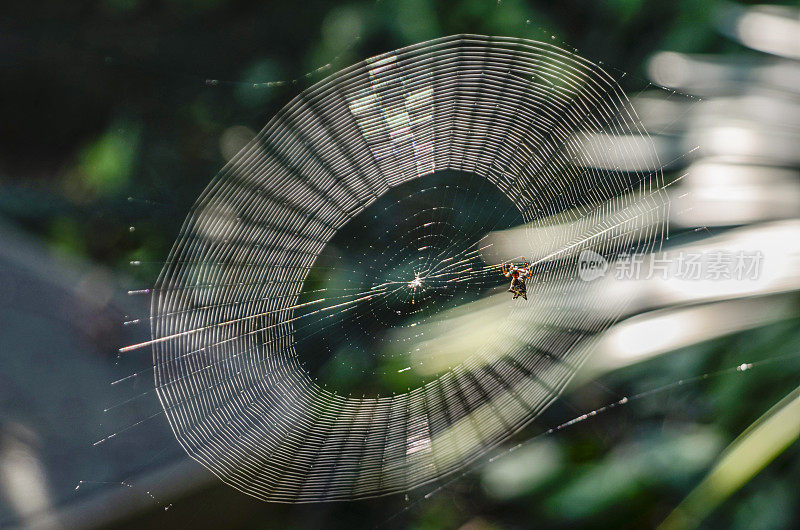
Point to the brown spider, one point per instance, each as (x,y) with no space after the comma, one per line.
(517,275)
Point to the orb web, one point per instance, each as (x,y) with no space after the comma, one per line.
(418,249)
(357,234)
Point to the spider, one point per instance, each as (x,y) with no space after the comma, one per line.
(517,275)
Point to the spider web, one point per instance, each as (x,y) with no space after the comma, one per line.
(305,352)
